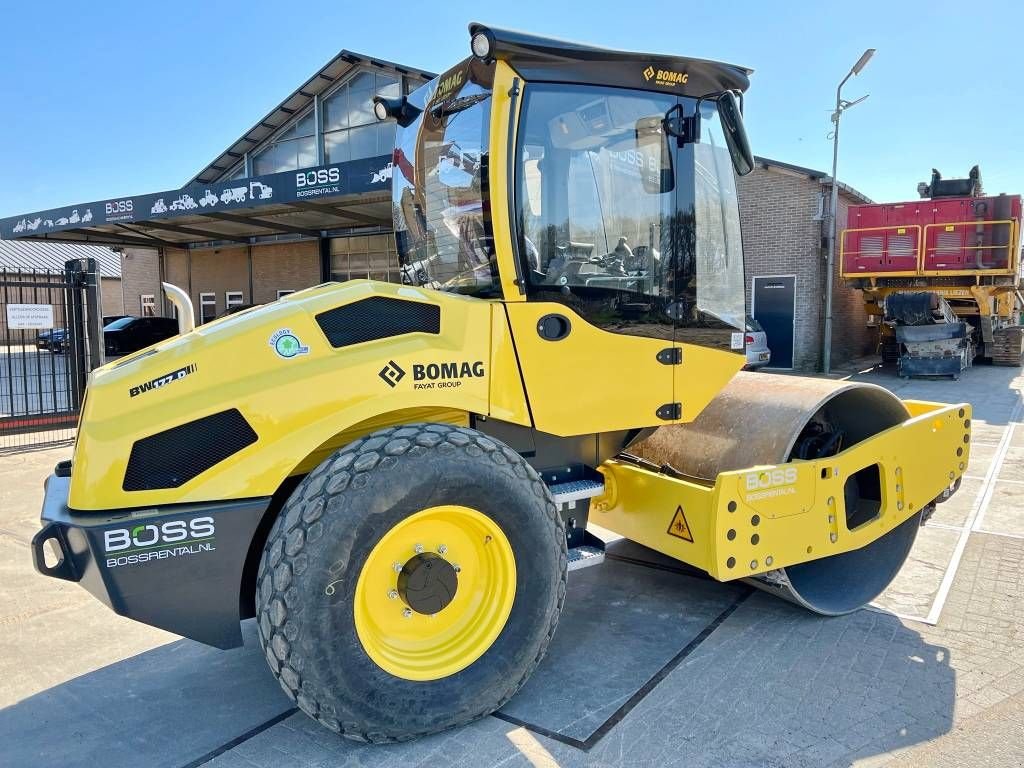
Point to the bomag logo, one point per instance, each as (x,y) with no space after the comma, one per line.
(447,86)
(666,76)
(445,375)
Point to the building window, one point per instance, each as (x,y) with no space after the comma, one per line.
(351,132)
(295,147)
(147,305)
(233,299)
(207,307)
(365,256)
(282,293)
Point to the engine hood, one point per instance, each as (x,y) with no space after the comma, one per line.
(233,407)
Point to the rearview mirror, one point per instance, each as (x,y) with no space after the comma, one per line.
(735,134)
(652,145)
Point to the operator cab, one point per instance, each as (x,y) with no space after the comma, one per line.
(619,189)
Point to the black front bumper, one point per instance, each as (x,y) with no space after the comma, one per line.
(178,567)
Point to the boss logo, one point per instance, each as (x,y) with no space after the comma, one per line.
(757,481)
(170,532)
(320,176)
(118,206)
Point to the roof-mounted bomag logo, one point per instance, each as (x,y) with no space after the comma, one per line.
(666,76)
(447,86)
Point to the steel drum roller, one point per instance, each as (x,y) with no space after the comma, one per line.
(764,418)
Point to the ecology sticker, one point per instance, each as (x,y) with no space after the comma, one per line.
(287,344)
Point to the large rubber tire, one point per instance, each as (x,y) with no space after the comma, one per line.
(325,533)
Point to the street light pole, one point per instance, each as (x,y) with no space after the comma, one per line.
(826,353)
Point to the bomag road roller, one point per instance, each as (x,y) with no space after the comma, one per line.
(395,479)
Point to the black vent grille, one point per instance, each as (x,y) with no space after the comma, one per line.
(378,317)
(171,458)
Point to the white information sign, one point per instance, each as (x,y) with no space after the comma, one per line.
(22,316)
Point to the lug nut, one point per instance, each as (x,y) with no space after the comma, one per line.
(834,538)
(418,548)
(397,567)
(899,505)
(393,594)
(456,568)
(769,560)
(753,564)
(407,613)
(442,549)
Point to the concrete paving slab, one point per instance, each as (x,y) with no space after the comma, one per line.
(915,587)
(630,622)
(980,457)
(775,686)
(165,707)
(1013,465)
(982,432)
(954,510)
(1005,511)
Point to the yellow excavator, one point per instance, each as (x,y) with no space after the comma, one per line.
(395,479)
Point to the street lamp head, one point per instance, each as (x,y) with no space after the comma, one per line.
(863,61)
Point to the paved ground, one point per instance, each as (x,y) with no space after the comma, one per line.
(650,666)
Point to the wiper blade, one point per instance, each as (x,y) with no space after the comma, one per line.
(458,105)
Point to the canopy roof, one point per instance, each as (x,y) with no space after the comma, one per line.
(307,202)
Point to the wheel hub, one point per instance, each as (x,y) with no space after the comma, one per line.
(427,583)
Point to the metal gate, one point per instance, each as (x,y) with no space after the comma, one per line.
(50,338)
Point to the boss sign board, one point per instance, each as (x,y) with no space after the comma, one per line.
(29,316)
(308,184)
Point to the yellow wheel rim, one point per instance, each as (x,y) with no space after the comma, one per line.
(416,644)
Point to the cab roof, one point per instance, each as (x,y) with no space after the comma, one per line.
(548,59)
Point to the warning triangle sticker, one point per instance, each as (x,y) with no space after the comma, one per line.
(679,527)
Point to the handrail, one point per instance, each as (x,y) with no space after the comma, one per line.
(923,249)
(901,229)
(949,226)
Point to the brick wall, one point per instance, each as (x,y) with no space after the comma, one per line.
(140,274)
(284,267)
(217,271)
(176,272)
(111,296)
(782,236)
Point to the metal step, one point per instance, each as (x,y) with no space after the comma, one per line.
(584,556)
(575,490)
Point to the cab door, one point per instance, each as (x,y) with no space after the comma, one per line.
(595,202)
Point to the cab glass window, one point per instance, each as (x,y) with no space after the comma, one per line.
(596,198)
(440,189)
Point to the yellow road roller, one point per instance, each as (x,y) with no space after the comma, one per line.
(395,479)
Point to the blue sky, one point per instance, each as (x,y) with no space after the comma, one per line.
(103,99)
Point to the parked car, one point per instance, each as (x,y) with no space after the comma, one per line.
(758,353)
(56,339)
(45,338)
(130,334)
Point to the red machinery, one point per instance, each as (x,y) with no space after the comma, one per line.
(956,243)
